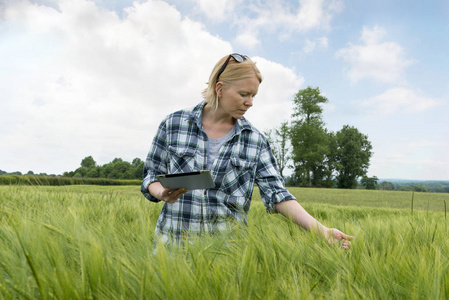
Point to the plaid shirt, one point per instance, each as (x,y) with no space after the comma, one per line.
(181,145)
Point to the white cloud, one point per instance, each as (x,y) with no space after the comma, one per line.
(316,13)
(374,58)
(273,103)
(420,159)
(247,40)
(282,18)
(217,10)
(310,14)
(397,100)
(372,36)
(79,80)
(312,45)
(405,168)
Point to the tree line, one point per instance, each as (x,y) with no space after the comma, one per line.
(28,173)
(116,169)
(317,156)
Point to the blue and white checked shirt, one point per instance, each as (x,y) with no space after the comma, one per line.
(181,145)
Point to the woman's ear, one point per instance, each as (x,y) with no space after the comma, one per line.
(219,88)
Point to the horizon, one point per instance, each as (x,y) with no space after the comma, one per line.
(285,176)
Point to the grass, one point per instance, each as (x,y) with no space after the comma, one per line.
(96,242)
(372,198)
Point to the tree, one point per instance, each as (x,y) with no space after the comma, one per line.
(419,188)
(370,183)
(88,162)
(138,168)
(117,169)
(81,172)
(279,143)
(68,174)
(330,164)
(106,169)
(386,185)
(310,146)
(307,104)
(352,156)
(136,162)
(309,138)
(93,172)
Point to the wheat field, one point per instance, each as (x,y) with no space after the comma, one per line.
(96,242)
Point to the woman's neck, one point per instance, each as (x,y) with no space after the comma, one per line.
(215,123)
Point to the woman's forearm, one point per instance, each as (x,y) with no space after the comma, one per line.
(292,209)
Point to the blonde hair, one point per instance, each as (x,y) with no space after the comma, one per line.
(234,71)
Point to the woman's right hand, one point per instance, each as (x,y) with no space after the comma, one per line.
(165,194)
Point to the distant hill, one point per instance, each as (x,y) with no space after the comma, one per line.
(437,186)
(414,181)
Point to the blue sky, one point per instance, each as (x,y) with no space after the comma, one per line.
(83,78)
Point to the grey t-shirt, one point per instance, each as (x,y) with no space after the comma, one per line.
(215,145)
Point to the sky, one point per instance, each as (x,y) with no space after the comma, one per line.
(96,77)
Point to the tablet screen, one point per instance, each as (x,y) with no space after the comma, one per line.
(189,181)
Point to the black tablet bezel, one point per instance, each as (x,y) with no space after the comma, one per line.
(189,180)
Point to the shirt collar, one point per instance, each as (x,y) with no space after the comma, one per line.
(197,112)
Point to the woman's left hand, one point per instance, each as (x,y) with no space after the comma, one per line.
(334,235)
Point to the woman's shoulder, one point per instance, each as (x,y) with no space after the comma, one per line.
(183,121)
(185,113)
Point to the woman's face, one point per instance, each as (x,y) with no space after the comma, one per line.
(236,98)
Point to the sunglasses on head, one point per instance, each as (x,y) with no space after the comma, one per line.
(238,58)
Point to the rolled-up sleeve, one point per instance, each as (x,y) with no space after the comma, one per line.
(155,163)
(270,182)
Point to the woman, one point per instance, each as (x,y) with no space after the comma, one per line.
(215,136)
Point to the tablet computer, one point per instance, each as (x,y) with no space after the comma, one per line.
(189,181)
